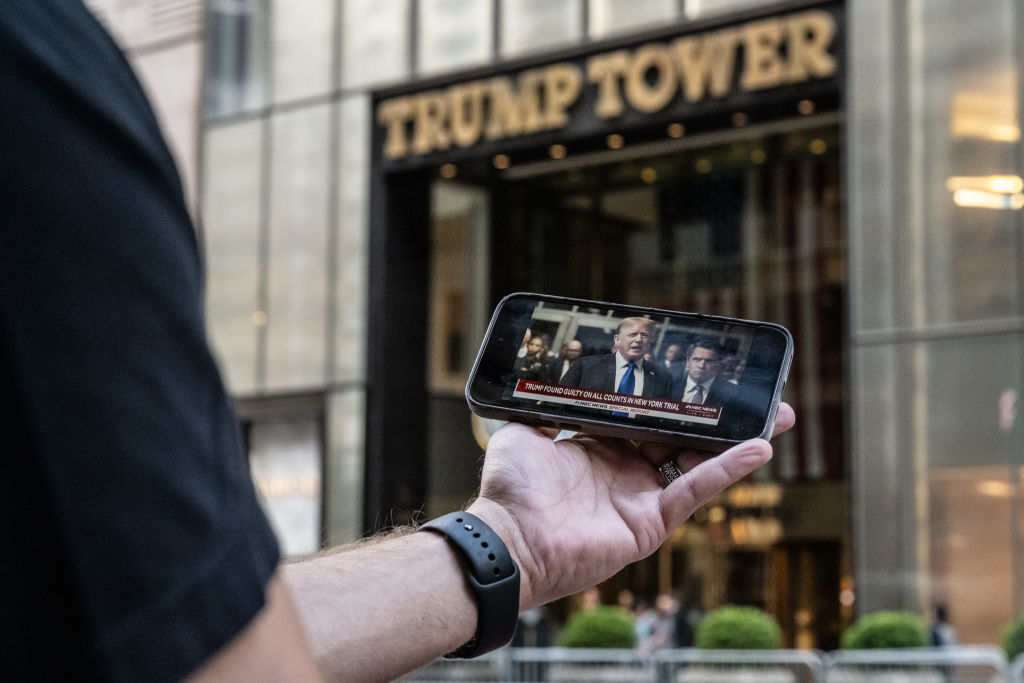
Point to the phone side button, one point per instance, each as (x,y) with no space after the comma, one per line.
(544,423)
(570,427)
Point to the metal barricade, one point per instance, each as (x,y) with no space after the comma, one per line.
(964,664)
(541,665)
(577,665)
(490,668)
(917,665)
(739,666)
(1016,674)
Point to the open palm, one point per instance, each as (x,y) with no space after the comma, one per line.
(574,512)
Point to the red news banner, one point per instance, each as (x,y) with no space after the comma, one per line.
(607,400)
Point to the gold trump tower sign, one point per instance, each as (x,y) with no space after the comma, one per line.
(754,56)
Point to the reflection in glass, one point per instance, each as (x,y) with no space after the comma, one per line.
(459,310)
(297,273)
(352,252)
(375,41)
(616,16)
(971,437)
(286,462)
(303,41)
(231,228)
(728,238)
(966,244)
(236,70)
(536,24)
(453,34)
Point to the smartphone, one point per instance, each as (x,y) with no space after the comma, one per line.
(698,381)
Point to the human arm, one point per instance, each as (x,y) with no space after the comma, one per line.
(272,647)
(572,513)
(134,545)
(373,611)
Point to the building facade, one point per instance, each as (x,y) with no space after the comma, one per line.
(373,175)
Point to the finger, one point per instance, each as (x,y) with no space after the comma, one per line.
(658,453)
(709,478)
(550,432)
(785,418)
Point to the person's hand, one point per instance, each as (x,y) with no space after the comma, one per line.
(576,511)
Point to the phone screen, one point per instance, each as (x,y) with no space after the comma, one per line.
(571,362)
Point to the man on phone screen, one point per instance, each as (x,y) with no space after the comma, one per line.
(701,384)
(626,371)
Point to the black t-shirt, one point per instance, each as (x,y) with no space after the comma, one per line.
(132,544)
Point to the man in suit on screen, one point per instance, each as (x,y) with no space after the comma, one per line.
(561,363)
(701,383)
(625,371)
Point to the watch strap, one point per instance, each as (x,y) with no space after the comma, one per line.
(493,578)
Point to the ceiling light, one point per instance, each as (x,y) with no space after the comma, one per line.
(980,199)
(1004,184)
(985,115)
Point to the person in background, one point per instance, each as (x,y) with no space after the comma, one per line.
(560,363)
(590,599)
(941,633)
(626,601)
(672,356)
(535,365)
(732,368)
(674,361)
(660,625)
(523,350)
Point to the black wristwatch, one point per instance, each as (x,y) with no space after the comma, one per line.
(493,578)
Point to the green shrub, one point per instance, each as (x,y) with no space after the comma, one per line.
(738,628)
(1013,638)
(603,626)
(887,629)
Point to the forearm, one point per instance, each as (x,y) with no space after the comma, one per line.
(377,610)
(272,647)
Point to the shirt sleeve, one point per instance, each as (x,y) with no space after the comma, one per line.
(133,535)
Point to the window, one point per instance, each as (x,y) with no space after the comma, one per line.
(235,61)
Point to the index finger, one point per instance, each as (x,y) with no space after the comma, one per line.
(785,418)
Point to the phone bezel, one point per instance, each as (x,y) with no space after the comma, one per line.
(488,405)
